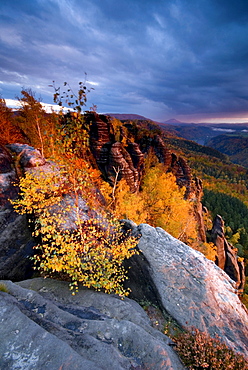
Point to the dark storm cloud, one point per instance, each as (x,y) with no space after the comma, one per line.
(157,58)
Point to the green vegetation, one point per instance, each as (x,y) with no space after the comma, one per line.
(225,187)
(214,168)
(234,213)
(3,288)
(64,138)
(235,145)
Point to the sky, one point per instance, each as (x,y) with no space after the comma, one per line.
(163,59)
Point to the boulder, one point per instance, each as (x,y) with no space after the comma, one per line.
(44,327)
(27,156)
(193,290)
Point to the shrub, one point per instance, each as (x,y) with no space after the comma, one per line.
(3,288)
(88,251)
(199,351)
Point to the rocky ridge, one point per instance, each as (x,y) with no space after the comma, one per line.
(185,285)
(110,154)
(115,160)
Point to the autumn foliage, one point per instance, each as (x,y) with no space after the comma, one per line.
(159,203)
(9,132)
(64,139)
(89,251)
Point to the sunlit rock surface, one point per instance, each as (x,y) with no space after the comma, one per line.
(27,156)
(193,290)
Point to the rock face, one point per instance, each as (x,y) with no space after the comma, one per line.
(227,258)
(111,154)
(16,242)
(7,177)
(27,155)
(117,161)
(16,246)
(44,327)
(193,290)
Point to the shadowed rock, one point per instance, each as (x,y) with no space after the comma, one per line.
(16,246)
(45,327)
(8,177)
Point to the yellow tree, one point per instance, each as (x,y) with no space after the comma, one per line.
(90,252)
(165,204)
(32,118)
(129,205)
(160,203)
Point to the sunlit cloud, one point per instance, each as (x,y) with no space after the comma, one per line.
(49,108)
(93,83)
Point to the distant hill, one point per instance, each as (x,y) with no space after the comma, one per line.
(137,117)
(203,132)
(234,145)
(127,116)
(172,121)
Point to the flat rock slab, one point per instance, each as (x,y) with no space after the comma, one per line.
(44,327)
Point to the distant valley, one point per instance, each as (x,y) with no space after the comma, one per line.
(229,139)
(203,132)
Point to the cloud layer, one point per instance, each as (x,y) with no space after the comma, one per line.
(162,59)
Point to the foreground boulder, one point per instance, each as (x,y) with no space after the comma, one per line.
(193,290)
(44,327)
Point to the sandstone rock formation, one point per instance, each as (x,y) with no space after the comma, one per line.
(44,327)
(16,246)
(111,157)
(16,242)
(227,258)
(27,156)
(193,290)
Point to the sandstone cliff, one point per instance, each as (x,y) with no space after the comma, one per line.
(182,282)
(227,258)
